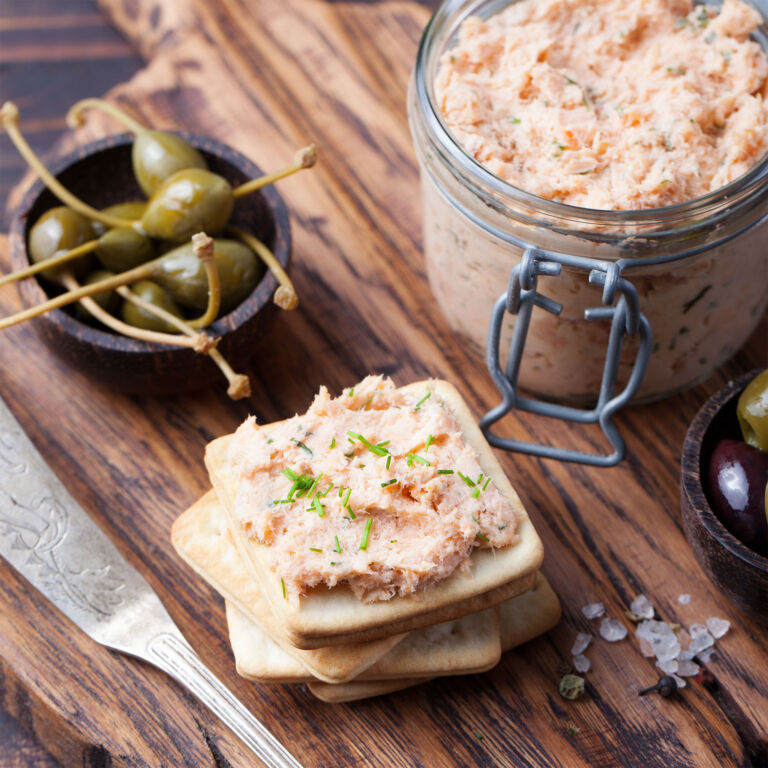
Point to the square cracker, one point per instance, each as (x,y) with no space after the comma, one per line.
(325,617)
(522,619)
(457,647)
(202,538)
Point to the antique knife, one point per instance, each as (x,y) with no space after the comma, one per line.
(50,539)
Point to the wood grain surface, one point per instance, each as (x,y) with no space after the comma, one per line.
(267,76)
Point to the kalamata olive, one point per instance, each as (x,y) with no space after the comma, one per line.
(752,411)
(738,474)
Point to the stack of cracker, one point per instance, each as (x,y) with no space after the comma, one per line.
(346,649)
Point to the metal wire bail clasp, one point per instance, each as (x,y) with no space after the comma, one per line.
(625,316)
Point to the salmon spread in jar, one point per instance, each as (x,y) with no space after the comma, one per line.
(610,104)
(629,133)
(377,488)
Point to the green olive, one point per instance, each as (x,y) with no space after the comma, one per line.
(189,201)
(121,249)
(183,274)
(154,294)
(752,412)
(107,300)
(60,229)
(156,155)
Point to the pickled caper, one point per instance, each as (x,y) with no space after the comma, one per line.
(189,201)
(59,229)
(752,412)
(157,296)
(155,155)
(121,249)
(109,301)
(183,275)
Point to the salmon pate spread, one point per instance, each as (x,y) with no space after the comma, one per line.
(609,104)
(377,488)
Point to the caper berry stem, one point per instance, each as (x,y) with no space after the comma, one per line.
(304,158)
(55,261)
(75,115)
(239,383)
(124,278)
(285,295)
(9,117)
(202,245)
(125,329)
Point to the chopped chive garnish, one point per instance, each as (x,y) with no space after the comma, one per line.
(393,541)
(338,546)
(367,403)
(317,506)
(284,501)
(290,474)
(352,515)
(351,392)
(475,493)
(389,461)
(315,549)
(301,445)
(285,595)
(430,440)
(470,483)
(333,443)
(409,459)
(486,483)
(334,563)
(383,443)
(377,449)
(444,471)
(503,526)
(341,490)
(479,478)
(422,460)
(422,401)
(350,440)
(271,440)
(366,533)
(330,488)
(314,484)
(389,482)
(345,503)
(481,537)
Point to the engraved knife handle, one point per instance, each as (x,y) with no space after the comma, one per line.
(174,655)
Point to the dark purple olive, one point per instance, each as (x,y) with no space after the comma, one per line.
(738,474)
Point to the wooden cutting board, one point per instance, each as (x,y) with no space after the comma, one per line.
(267,76)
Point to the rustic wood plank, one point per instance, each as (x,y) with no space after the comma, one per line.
(266,76)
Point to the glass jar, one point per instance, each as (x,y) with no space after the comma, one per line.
(700,268)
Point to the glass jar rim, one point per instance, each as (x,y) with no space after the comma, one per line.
(746,185)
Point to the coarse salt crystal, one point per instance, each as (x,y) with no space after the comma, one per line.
(641,606)
(651,629)
(718,627)
(581,663)
(686,668)
(666,647)
(684,599)
(706,655)
(701,641)
(685,655)
(668,666)
(680,682)
(581,643)
(593,610)
(612,630)
(646,648)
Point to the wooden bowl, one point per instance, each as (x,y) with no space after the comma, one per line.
(100,173)
(740,573)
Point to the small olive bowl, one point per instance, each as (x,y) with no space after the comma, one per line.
(740,573)
(100,173)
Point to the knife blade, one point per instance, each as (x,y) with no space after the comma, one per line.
(53,542)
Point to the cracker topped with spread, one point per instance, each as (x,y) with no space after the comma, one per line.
(377,488)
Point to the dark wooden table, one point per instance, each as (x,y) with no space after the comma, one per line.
(266,76)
